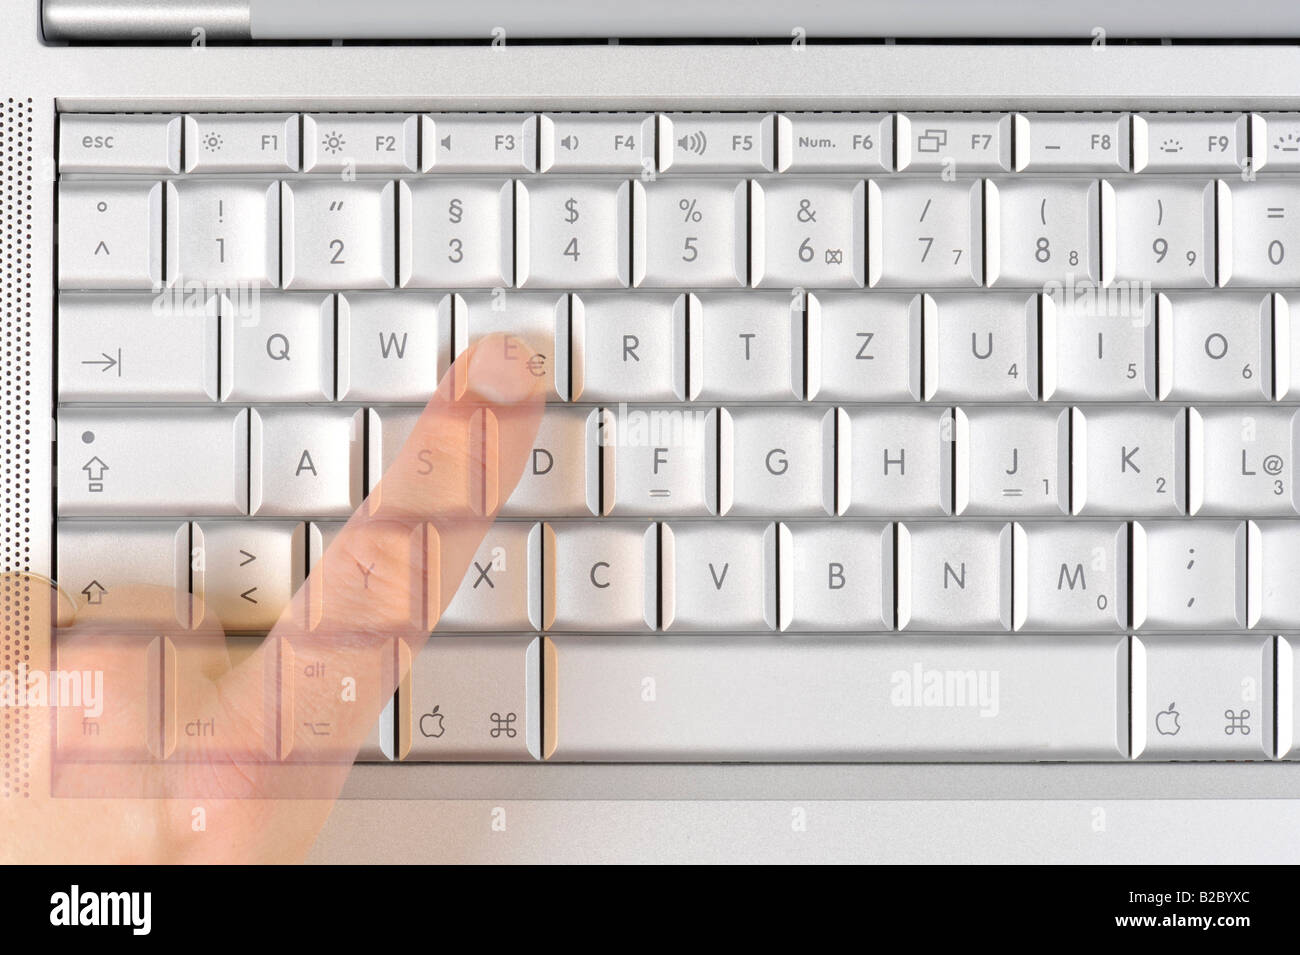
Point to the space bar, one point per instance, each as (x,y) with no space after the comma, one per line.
(842,698)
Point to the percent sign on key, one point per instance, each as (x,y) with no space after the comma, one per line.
(689,212)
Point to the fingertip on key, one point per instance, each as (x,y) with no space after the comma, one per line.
(502,370)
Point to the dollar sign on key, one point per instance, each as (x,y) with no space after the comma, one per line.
(572,206)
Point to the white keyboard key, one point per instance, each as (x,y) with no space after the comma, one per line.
(628,347)
(1160,231)
(1189,142)
(600,577)
(1037,231)
(500,588)
(360,142)
(245,573)
(1278,148)
(1013,461)
(1244,459)
(284,353)
(745,346)
(572,234)
(954,576)
(954,142)
(597,142)
(836,576)
(718,576)
(1259,239)
(456,233)
(388,430)
(835,142)
(1189,575)
(1215,346)
(925,234)
(722,697)
(337,235)
(900,461)
(864,346)
(659,461)
(110,235)
(127,573)
(224,232)
(144,462)
(776,461)
(241,142)
(392,346)
(119,142)
(717,142)
(306,462)
(1072,142)
(1070,576)
(1129,461)
(808,233)
(538,323)
(1098,344)
(691,233)
(1203,696)
(136,347)
(1273,563)
(982,347)
(480,142)
(561,477)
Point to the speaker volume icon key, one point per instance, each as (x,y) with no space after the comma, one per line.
(695,142)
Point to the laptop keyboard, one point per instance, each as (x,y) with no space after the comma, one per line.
(874,437)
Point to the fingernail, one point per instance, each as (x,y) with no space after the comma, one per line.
(499,370)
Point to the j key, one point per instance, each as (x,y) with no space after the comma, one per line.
(360,142)
(305,461)
(835,142)
(690,232)
(1261,225)
(571,234)
(144,462)
(133,347)
(659,461)
(392,346)
(480,142)
(561,477)
(1041,230)
(241,142)
(1216,347)
(538,323)
(394,602)
(1128,461)
(501,588)
(718,576)
(246,573)
(456,233)
(596,142)
(1244,460)
(776,461)
(600,577)
(1189,575)
(628,348)
(337,235)
(110,235)
(954,576)
(1189,142)
(746,346)
(1158,230)
(957,142)
(284,352)
(125,721)
(1273,562)
(982,347)
(1098,345)
(119,143)
(864,347)
(198,719)
(900,461)
(1085,142)
(326,682)
(1070,576)
(224,233)
(836,576)
(716,142)
(1013,461)
(130,573)
(808,234)
(1203,697)
(925,234)
(745,698)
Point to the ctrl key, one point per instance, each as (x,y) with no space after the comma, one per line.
(109,697)
(219,699)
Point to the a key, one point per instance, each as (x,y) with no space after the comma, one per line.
(734,697)
(224,232)
(538,326)
(954,576)
(600,577)
(925,234)
(572,234)
(1278,146)
(110,235)
(360,142)
(305,462)
(1189,575)
(1041,230)
(982,347)
(1260,225)
(1243,459)
(864,346)
(1072,142)
(137,462)
(746,346)
(1070,576)
(1013,461)
(283,352)
(690,232)
(776,461)
(118,718)
(659,461)
(198,721)
(954,142)
(835,142)
(327,682)
(716,142)
(1189,142)
(900,461)
(807,233)
(119,142)
(456,233)
(628,348)
(393,601)
(1203,697)
(1098,345)
(241,142)
(472,699)
(1216,346)
(596,142)
(561,476)
(1128,461)
(130,573)
(480,142)
(836,576)
(245,573)
(1160,231)
(129,347)
(1273,563)
(392,346)
(337,235)
(718,576)
(500,590)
